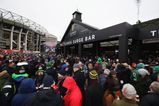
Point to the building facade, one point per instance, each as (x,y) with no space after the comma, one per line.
(19,33)
(123,41)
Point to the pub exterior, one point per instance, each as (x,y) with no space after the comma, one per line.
(123,41)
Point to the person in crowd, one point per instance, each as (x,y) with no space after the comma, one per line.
(39,76)
(90,68)
(71,93)
(52,70)
(123,73)
(2,62)
(64,68)
(25,93)
(41,63)
(155,73)
(134,74)
(98,65)
(102,76)
(143,83)
(10,67)
(93,91)
(7,89)
(151,99)
(108,92)
(129,96)
(79,78)
(20,73)
(46,96)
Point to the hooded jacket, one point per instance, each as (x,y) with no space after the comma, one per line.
(73,95)
(25,93)
(46,97)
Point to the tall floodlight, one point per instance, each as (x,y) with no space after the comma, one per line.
(138,2)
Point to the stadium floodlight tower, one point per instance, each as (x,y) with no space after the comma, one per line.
(138,3)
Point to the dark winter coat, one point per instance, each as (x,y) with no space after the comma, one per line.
(7,91)
(53,72)
(151,99)
(25,94)
(46,97)
(80,80)
(142,86)
(94,95)
(123,75)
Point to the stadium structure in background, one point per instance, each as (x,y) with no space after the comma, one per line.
(19,33)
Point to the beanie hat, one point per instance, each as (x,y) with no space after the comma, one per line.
(106,71)
(99,60)
(93,74)
(50,63)
(156,68)
(140,65)
(62,70)
(39,70)
(22,64)
(143,72)
(48,81)
(129,91)
(21,67)
(63,67)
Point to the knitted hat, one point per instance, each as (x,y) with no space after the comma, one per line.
(140,65)
(21,66)
(106,71)
(129,91)
(93,74)
(156,68)
(63,67)
(99,60)
(48,81)
(39,70)
(62,71)
(143,72)
(50,63)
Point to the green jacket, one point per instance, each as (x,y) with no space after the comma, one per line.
(134,75)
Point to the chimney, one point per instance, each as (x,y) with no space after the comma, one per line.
(77,16)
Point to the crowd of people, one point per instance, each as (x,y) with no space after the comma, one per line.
(54,80)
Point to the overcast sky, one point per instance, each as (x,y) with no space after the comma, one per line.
(55,15)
